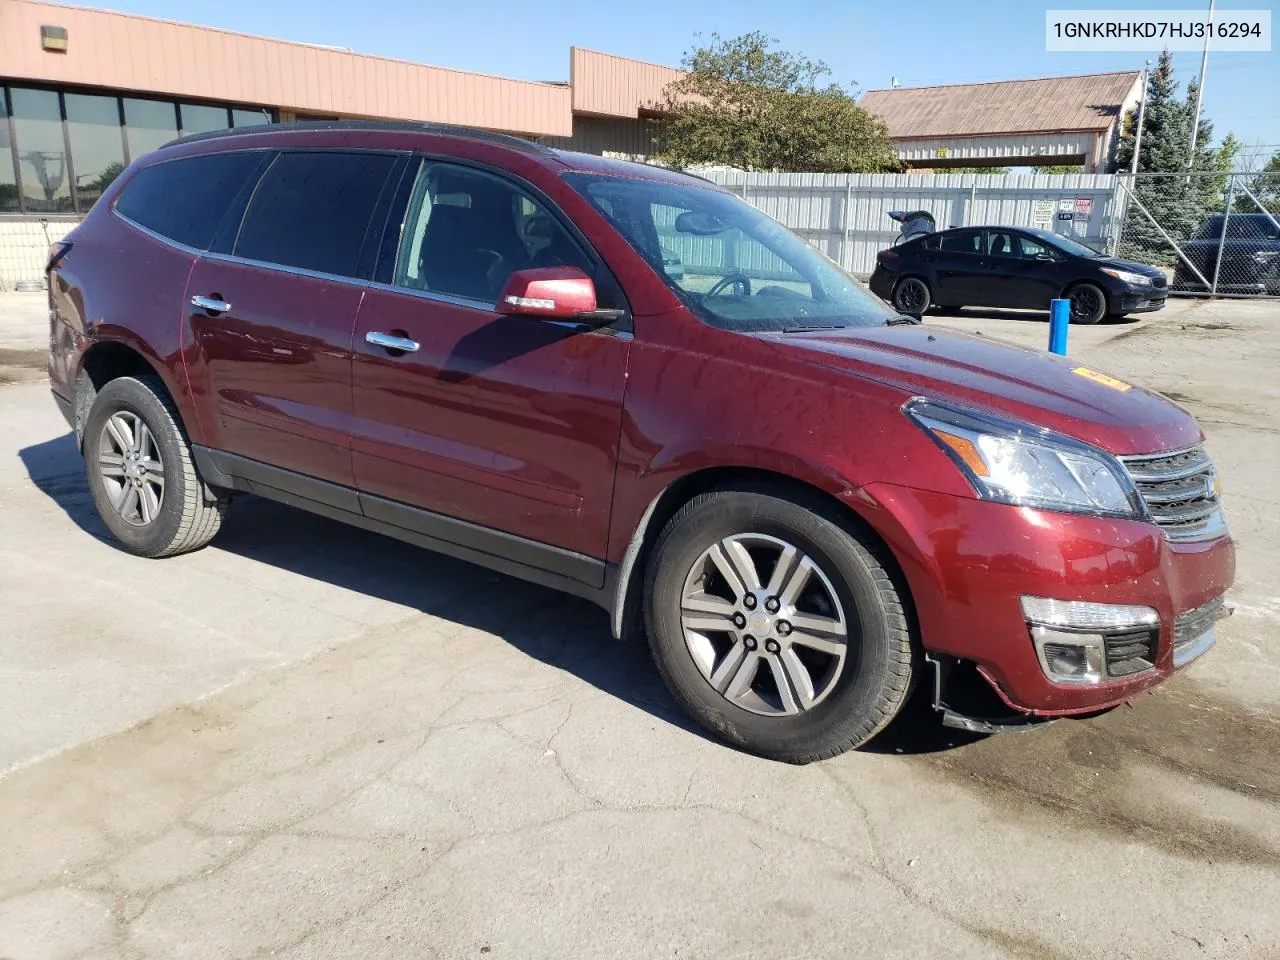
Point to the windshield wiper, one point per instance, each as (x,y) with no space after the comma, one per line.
(815,328)
(902,320)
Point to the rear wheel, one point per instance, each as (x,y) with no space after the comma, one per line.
(912,296)
(1088,303)
(776,626)
(139,469)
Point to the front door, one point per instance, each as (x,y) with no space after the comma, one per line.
(270,322)
(508,424)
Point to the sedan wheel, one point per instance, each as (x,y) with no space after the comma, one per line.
(1088,303)
(912,297)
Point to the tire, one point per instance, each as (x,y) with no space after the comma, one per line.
(1088,303)
(176,516)
(854,700)
(912,296)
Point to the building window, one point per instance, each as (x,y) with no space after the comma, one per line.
(249,118)
(97,151)
(8,174)
(42,151)
(59,150)
(148,125)
(197,118)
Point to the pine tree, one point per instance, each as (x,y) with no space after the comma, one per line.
(1178,203)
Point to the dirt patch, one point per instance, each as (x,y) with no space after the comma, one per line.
(1111,774)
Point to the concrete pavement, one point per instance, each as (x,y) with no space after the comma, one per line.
(311,741)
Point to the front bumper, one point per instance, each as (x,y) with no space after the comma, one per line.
(968,562)
(1138,299)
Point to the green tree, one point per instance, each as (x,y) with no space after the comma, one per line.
(1058,168)
(1265,185)
(1179,203)
(745,104)
(1000,171)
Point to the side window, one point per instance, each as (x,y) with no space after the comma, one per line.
(185,200)
(1034,248)
(466,232)
(1001,243)
(311,210)
(962,241)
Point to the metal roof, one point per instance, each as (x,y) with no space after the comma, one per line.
(1090,102)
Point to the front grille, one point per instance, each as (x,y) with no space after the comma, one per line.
(1181,492)
(1130,653)
(1159,282)
(1191,626)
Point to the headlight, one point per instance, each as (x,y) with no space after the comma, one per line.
(1135,279)
(1265,256)
(1009,461)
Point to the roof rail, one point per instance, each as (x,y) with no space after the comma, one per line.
(405,126)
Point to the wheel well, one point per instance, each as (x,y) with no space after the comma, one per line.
(628,613)
(103,362)
(111,360)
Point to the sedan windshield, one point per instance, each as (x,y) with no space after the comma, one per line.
(1065,244)
(733,266)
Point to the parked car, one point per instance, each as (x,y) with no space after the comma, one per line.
(1250,256)
(1013,267)
(803,502)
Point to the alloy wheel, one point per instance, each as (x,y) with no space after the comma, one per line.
(131,468)
(764,625)
(912,296)
(1085,303)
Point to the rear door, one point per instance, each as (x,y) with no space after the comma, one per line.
(270,312)
(959,269)
(510,424)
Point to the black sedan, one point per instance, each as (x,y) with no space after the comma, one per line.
(1013,267)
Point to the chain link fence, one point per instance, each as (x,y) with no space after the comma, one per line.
(1215,234)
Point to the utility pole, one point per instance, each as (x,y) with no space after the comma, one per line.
(1142,113)
(1204,65)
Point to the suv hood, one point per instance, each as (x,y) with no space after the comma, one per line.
(1058,393)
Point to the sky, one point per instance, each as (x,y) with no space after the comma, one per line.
(865,42)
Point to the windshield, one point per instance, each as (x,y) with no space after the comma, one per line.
(1065,244)
(1244,226)
(733,266)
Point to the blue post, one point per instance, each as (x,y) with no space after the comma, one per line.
(1059,317)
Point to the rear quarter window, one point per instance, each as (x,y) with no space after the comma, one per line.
(185,200)
(311,210)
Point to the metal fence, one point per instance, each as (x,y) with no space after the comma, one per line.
(846,216)
(1216,234)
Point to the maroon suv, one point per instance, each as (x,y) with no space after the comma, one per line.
(628,384)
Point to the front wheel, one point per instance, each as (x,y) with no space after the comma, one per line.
(1088,303)
(138,465)
(777,626)
(912,296)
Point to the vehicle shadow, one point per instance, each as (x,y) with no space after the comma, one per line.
(562,631)
(1024,316)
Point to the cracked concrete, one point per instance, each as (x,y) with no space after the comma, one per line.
(310,742)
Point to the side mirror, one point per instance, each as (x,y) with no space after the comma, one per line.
(1044,256)
(553,293)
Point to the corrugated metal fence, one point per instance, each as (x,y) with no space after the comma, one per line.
(846,216)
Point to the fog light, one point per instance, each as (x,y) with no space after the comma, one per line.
(1070,636)
(1068,657)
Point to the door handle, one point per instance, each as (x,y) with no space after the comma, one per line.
(212,304)
(391,342)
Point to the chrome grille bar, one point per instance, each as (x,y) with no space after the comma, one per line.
(1180,488)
